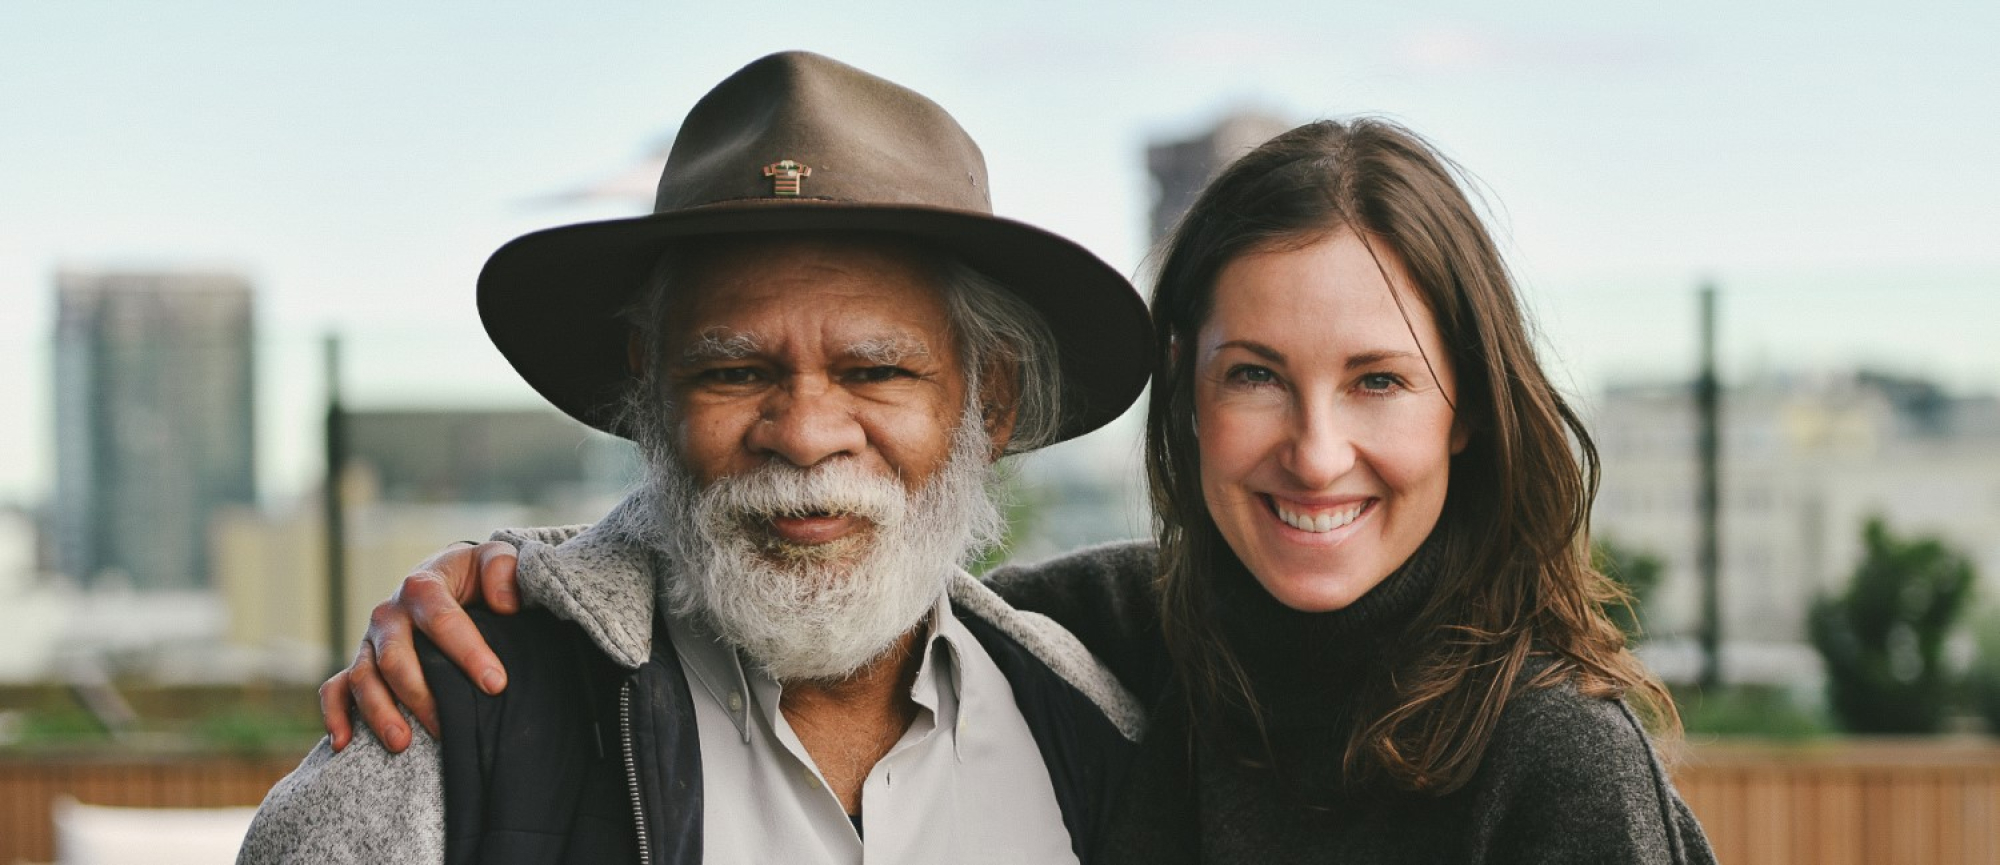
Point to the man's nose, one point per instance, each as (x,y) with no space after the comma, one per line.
(806,423)
(1321,447)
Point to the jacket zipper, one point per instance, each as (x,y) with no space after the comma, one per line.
(632,771)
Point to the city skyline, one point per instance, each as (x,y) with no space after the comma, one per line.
(358,164)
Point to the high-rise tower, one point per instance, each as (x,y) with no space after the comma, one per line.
(1181,168)
(153,422)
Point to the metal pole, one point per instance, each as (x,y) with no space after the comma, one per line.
(1708,409)
(336,516)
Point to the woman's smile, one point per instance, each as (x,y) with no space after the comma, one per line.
(1317,519)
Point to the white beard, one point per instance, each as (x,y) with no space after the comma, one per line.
(819,612)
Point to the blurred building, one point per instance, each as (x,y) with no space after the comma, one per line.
(534,457)
(271,571)
(1806,460)
(415,481)
(50,629)
(31,611)
(1182,167)
(153,423)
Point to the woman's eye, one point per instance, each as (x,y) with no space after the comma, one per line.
(1379,382)
(1251,375)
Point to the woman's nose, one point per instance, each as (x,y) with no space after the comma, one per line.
(1321,449)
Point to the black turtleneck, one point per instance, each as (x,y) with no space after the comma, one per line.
(1304,666)
(1306,670)
(1566,778)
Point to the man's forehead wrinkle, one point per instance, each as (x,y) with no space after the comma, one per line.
(720,343)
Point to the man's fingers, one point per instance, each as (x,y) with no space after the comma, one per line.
(333,702)
(386,669)
(434,611)
(496,577)
(396,664)
(377,706)
(457,567)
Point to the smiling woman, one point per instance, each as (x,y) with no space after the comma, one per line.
(1330,430)
(1386,641)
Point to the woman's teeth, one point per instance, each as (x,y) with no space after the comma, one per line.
(1322,521)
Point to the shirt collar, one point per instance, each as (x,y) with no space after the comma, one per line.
(720,671)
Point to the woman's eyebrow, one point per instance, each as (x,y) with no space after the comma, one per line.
(1361,359)
(1254,347)
(1380,355)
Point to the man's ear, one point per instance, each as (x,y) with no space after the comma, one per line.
(999,403)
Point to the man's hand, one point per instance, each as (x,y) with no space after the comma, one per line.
(385,669)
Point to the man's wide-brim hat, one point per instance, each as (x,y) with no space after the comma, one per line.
(796,142)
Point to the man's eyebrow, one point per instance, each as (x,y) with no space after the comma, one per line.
(888,350)
(719,344)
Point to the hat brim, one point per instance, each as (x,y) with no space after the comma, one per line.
(550,300)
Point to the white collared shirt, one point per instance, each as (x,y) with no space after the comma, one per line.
(965,783)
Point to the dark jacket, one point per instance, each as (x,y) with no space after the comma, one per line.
(554,769)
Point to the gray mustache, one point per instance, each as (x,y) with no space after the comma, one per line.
(841,488)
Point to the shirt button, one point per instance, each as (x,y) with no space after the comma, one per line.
(812,780)
(735,701)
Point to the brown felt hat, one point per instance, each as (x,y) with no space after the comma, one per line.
(797,142)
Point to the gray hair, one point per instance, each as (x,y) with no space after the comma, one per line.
(994,327)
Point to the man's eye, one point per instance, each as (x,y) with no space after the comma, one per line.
(731,375)
(879,374)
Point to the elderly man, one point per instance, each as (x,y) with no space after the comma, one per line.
(821,340)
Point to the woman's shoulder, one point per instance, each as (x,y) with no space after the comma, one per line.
(1557,707)
(1553,732)
(1563,764)
(1105,595)
(1117,559)
(1118,574)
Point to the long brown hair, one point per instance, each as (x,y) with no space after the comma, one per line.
(1515,578)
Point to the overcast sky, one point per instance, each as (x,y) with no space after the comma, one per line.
(1834,169)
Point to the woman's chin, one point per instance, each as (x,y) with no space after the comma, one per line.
(1316,593)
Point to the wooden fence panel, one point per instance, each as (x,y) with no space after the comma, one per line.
(1837,825)
(1858,802)
(30,786)
(1851,802)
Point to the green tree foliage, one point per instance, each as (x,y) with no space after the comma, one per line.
(1883,640)
(1636,571)
(1983,680)
(1022,512)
